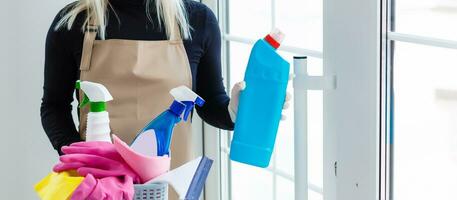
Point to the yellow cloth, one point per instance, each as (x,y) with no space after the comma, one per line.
(58,186)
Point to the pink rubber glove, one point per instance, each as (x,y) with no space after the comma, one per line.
(109,188)
(104,149)
(99,159)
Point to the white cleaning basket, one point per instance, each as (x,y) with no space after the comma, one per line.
(153,191)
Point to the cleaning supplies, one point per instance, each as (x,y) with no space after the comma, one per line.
(101,159)
(107,175)
(158,133)
(147,167)
(111,187)
(187,180)
(58,185)
(260,104)
(98,118)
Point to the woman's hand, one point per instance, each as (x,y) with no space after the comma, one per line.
(235,97)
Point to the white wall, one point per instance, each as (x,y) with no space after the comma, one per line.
(26,154)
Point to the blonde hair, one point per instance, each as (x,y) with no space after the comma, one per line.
(169,14)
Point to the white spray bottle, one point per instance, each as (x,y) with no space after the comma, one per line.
(155,138)
(98,118)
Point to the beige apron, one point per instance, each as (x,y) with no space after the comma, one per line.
(139,76)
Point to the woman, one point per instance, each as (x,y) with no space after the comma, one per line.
(139,50)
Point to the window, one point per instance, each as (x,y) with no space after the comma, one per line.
(432,18)
(388,129)
(244,23)
(423,52)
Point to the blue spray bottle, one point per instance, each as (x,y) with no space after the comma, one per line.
(260,104)
(155,138)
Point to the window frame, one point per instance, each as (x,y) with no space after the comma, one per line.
(352,52)
(360,145)
(392,36)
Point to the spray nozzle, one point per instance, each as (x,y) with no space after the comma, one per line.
(187,97)
(94,93)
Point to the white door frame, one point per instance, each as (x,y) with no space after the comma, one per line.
(352,52)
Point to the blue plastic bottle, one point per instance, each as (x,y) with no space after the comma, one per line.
(260,105)
(163,127)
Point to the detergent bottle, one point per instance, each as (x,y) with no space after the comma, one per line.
(96,95)
(260,104)
(155,138)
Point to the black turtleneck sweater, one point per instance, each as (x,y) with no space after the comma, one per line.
(129,21)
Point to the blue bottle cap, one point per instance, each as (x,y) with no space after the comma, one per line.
(199,101)
(177,108)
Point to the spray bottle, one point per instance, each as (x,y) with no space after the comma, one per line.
(96,95)
(260,104)
(155,138)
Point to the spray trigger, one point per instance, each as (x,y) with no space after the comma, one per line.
(187,97)
(85,101)
(189,108)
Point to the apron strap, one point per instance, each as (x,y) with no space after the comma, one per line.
(89,38)
(176,38)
